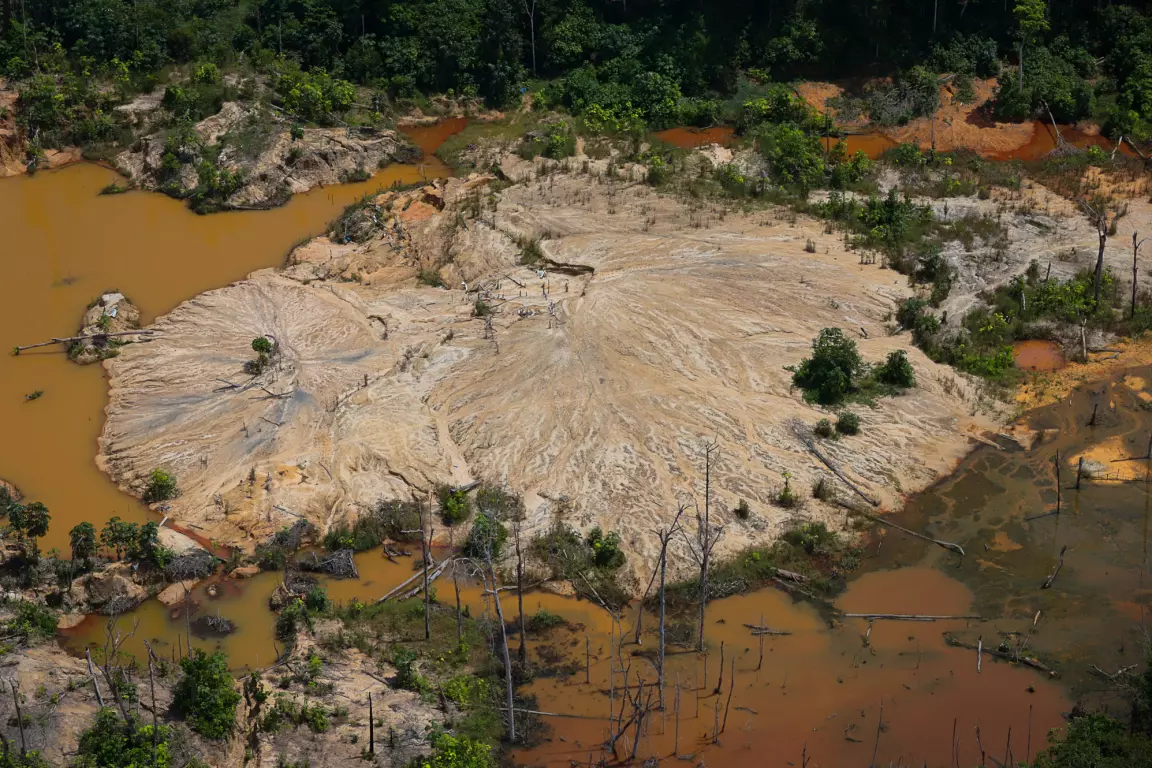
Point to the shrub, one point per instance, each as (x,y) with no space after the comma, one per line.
(743,511)
(317,599)
(830,374)
(481,308)
(430,277)
(544,619)
(31,621)
(606,552)
(407,677)
(205,694)
(810,246)
(112,743)
(810,537)
(161,486)
(848,423)
(262,345)
(897,370)
(486,534)
(454,506)
(823,428)
(457,752)
(206,74)
(787,497)
(822,490)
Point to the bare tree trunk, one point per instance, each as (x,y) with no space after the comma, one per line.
(1021,66)
(530,10)
(19,715)
(1135,250)
(371,727)
(1102,231)
(523,651)
(425,537)
(456,587)
(152,686)
(503,648)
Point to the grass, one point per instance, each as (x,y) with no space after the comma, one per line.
(508,130)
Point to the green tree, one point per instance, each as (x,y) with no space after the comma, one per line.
(147,547)
(793,155)
(206,695)
(487,532)
(119,536)
(113,743)
(458,752)
(161,486)
(83,540)
(831,373)
(262,345)
(454,506)
(896,370)
(30,522)
(1031,24)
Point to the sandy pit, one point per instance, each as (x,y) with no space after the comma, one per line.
(670,326)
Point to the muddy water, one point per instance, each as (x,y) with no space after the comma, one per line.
(818,691)
(63,245)
(1044,140)
(430,137)
(691,138)
(1000,504)
(1038,355)
(245,603)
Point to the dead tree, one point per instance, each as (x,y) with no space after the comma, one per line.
(456,587)
(1103,219)
(111,669)
(495,592)
(152,686)
(707,535)
(530,11)
(1135,251)
(426,545)
(665,538)
(522,654)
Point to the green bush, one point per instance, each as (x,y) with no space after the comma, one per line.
(823,428)
(31,621)
(457,752)
(454,505)
(606,552)
(897,370)
(314,95)
(810,537)
(831,374)
(112,743)
(407,676)
(848,423)
(487,533)
(206,695)
(161,486)
(262,345)
(743,511)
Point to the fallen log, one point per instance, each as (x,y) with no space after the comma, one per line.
(812,449)
(791,576)
(431,578)
(1060,564)
(946,544)
(909,617)
(70,339)
(1027,661)
(401,586)
(758,629)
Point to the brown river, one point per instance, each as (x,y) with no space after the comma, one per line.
(833,691)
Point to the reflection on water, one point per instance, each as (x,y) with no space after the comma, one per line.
(63,245)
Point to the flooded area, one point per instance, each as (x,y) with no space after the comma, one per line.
(244,602)
(64,245)
(1038,355)
(817,692)
(430,137)
(1044,140)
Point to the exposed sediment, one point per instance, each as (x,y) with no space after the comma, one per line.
(600,387)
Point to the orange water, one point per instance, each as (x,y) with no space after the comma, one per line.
(1038,355)
(690,138)
(63,245)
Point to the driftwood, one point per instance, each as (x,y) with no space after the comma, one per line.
(791,576)
(813,450)
(1060,564)
(396,590)
(71,339)
(946,544)
(760,629)
(1027,661)
(432,576)
(908,617)
(340,564)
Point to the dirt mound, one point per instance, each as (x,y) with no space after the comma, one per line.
(258,145)
(648,328)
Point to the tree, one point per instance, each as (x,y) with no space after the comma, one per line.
(119,536)
(206,695)
(707,534)
(457,752)
(161,486)
(1031,22)
(113,743)
(1104,219)
(830,374)
(1136,244)
(896,370)
(262,345)
(30,522)
(83,539)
